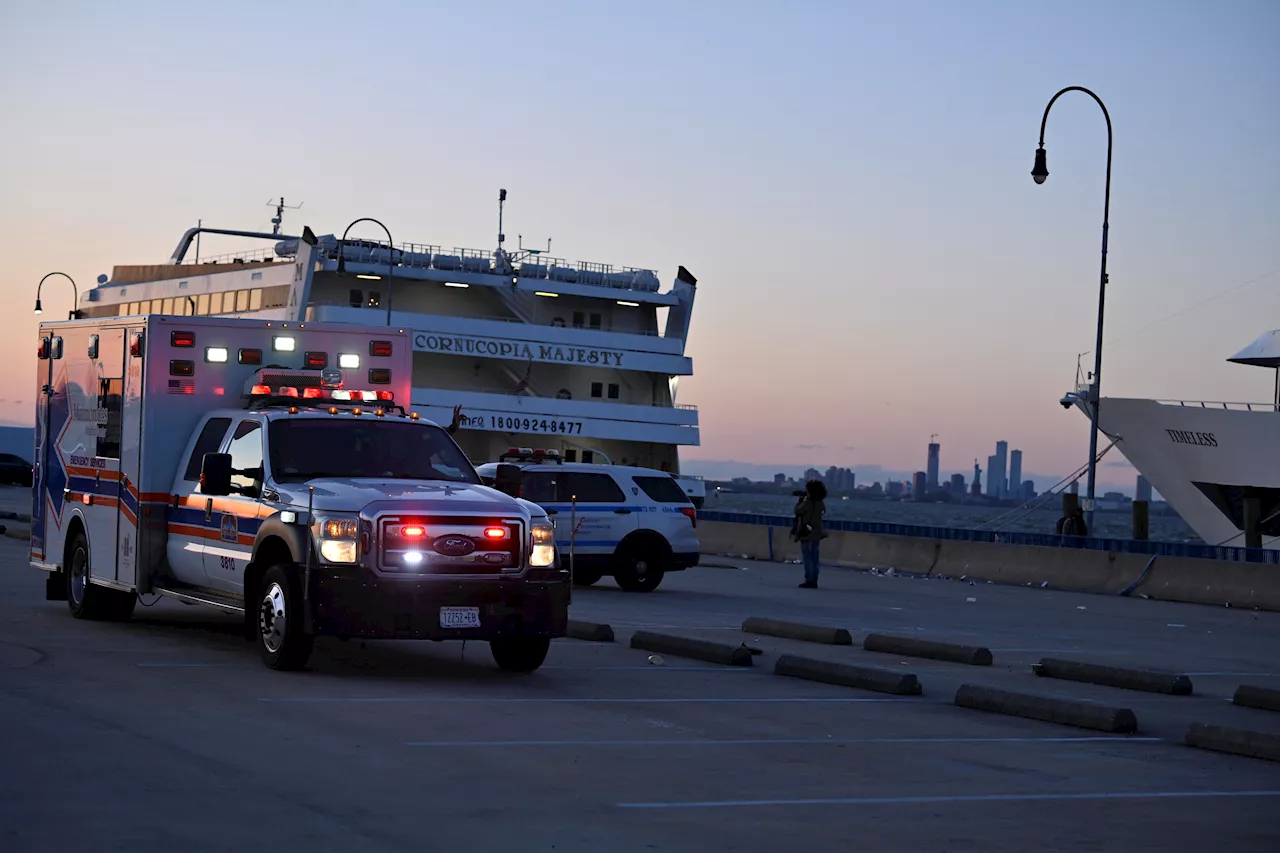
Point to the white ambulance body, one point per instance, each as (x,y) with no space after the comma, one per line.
(171,459)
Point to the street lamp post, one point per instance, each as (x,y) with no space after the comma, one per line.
(1040,172)
(391,257)
(75,291)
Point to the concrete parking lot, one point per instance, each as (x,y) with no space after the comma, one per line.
(167,733)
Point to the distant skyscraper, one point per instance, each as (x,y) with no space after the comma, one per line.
(1015,474)
(998,472)
(931,474)
(957,485)
(812,474)
(1142,492)
(1028,490)
(779,479)
(919,487)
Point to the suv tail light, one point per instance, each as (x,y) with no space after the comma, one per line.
(691,512)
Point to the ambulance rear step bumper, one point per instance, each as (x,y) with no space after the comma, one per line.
(196,595)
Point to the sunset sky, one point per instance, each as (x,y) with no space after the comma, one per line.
(848,181)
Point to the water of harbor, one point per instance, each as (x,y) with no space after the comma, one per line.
(1034,519)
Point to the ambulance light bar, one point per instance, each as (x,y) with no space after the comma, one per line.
(531,454)
(338,395)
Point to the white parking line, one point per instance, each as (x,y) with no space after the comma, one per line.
(977,798)
(544,700)
(785,741)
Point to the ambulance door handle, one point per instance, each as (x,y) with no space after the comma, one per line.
(208,510)
(622,511)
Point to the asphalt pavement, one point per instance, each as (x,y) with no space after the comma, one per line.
(166,733)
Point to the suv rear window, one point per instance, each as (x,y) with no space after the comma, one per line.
(663,490)
(589,488)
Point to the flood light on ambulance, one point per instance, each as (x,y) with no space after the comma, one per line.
(412,558)
(369,277)
(216,355)
(348,360)
(283,343)
(628,304)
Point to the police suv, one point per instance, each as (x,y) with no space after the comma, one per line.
(635,524)
(269,470)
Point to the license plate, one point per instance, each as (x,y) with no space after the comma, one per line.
(459,617)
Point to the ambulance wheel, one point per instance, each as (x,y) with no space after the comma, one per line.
(520,654)
(640,569)
(281,640)
(85,600)
(586,577)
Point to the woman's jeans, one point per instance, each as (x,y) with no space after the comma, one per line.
(809,551)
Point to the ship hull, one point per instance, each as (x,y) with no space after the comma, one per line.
(1204,459)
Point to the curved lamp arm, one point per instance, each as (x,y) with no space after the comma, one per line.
(391,255)
(75,309)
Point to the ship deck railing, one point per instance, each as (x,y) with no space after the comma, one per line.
(1218,404)
(1198,550)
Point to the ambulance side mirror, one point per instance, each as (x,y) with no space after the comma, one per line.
(507,479)
(215,474)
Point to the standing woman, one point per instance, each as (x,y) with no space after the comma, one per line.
(808,528)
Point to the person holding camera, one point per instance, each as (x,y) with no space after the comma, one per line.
(807,528)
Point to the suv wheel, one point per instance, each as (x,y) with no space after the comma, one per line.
(640,569)
(586,577)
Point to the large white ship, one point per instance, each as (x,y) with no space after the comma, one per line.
(538,352)
(1206,458)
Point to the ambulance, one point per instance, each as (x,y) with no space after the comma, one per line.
(276,471)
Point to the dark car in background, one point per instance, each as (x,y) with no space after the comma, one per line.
(14,470)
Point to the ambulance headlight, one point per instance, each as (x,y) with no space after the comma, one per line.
(543,553)
(338,539)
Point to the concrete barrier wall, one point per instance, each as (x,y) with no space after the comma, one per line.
(1185,579)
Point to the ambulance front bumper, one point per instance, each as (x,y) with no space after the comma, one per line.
(358,604)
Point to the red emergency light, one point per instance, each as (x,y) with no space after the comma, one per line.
(317,360)
(381,349)
(182,339)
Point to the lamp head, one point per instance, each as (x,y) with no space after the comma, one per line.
(1040,172)
(38,308)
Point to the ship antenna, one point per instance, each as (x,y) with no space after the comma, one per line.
(280,207)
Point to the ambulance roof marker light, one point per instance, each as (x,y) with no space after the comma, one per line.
(333,410)
(260,391)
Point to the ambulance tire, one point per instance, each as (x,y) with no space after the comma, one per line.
(640,567)
(282,642)
(85,600)
(519,654)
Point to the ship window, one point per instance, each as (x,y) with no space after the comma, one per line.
(255,299)
(168,306)
(571,455)
(256,277)
(202,304)
(577,319)
(182,285)
(597,389)
(558,322)
(215,303)
(357,298)
(595,321)
(613,391)
(242,300)
(588,456)
(375,299)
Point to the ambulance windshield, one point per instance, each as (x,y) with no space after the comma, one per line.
(343,447)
